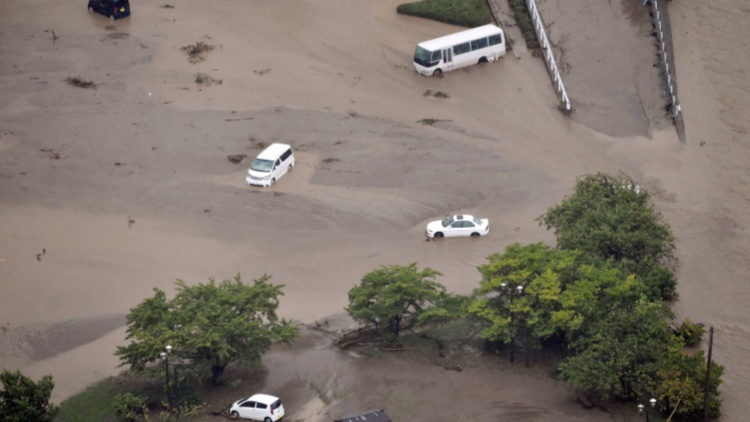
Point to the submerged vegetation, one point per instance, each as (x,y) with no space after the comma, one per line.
(471,13)
(468,13)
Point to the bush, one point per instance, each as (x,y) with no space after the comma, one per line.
(690,333)
(129,406)
(23,399)
(523,19)
(468,13)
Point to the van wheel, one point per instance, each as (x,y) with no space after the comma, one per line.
(273,181)
(91,9)
(267,420)
(112,17)
(235,415)
(291,166)
(437,72)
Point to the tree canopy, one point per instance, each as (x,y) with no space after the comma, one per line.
(619,354)
(392,297)
(599,293)
(208,326)
(22,399)
(610,218)
(521,290)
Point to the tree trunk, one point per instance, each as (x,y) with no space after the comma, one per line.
(395,325)
(217,371)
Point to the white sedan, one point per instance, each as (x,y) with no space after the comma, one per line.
(458,225)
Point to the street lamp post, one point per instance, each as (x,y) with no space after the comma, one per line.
(165,358)
(518,290)
(641,407)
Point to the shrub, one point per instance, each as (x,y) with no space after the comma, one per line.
(129,406)
(690,333)
(468,13)
(523,19)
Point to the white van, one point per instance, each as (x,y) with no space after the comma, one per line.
(270,165)
(478,45)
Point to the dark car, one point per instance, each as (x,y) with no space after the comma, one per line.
(115,9)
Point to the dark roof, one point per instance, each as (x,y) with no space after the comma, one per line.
(376,416)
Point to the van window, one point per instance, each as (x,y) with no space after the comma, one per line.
(477,44)
(461,48)
(286,154)
(436,57)
(261,165)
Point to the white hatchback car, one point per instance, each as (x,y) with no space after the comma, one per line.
(458,225)
(259,407)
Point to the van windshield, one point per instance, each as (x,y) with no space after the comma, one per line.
(422,56)
(263,166)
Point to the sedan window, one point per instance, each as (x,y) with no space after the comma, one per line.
(447,222)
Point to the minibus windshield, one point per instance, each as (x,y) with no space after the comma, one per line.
(263,166)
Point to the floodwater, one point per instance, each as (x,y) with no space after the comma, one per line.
(109,192)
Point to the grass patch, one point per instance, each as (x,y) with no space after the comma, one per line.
(430,122)
(204,79)
(438,94)
(93,404)
(523,19)
(80,82)
(197,52)
(468,13)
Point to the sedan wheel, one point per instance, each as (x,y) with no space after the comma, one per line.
(475,234)
(438,235)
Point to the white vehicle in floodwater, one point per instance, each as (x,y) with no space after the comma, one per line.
(478,45)
(458,225)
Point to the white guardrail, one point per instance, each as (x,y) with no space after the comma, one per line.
(549,57)
(656,15)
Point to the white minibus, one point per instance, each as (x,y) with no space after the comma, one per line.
(483,44)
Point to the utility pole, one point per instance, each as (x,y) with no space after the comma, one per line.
(708,372)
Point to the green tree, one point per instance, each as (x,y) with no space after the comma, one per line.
(208,326)
(681,384)
(393,297)
(620,351)
(609,218)
(520,294)
(22,399)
